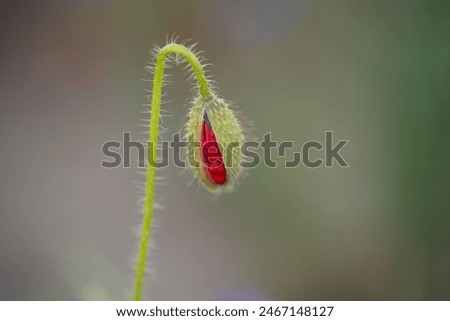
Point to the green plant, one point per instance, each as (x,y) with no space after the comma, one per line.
(211,123)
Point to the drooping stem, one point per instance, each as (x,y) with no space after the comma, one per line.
(203,87)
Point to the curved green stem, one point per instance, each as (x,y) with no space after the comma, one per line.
(203,87)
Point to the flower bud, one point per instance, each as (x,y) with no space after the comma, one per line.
(214,138)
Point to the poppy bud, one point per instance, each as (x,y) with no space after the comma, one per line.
(214,139)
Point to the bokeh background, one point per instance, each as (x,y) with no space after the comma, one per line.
(374,72)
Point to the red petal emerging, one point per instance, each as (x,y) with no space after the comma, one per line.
(213,165)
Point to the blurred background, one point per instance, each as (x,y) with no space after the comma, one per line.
(373,72)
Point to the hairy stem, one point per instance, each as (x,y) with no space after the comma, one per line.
(203,87)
